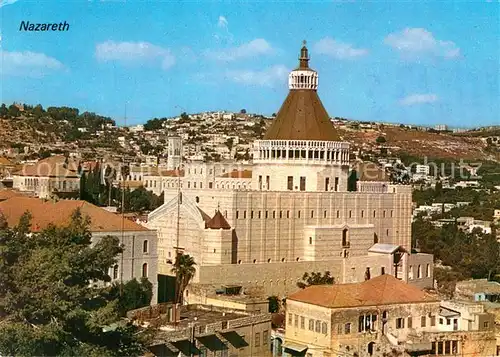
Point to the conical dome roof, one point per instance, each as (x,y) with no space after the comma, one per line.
(218,222)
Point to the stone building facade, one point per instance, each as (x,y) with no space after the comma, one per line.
(203,330)
(290,211)
(139,258)
(383,317)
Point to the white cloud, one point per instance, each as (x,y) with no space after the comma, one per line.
(415,42)
(134,52)
(253,48)
(266,78)
(336,49)
(31,64)
(222,23)
(6,2)
(418,99)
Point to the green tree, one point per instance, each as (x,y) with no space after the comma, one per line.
(48,300)
(316,278)
(132,295)
(184,270)
(3,110)
(274,304)
(380,139)
(13,111)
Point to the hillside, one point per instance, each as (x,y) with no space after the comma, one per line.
(420,143)
(65,129)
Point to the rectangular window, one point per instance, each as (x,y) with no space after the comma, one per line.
(454,347)
(433,348)
(302,322)
(290,317)
(423,320)
(433,320)
(267,182)
(237,214)
(324,214)
(251,214)
(311,325)
(287,214)
(440,348)
(260,182)
(259,214)
(257,339)
(312,214)
(447,347)
(296,320)
(265,337)
(290,183)
(298,214)
(336,183)
(327,183)
(400,323)
(318,326)
(347,328)
(281,214)
(274,214)
(302,183)
(267,214)
(410,322)
(210,185)
(244,214)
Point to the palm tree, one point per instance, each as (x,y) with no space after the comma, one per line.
(184,271)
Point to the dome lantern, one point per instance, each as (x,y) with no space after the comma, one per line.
(303,77)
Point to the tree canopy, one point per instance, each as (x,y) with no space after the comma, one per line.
(52,300)
(316,278)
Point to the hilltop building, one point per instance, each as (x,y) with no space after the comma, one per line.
(289,211)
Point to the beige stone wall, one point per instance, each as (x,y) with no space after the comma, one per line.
(275,278)
(299,316)
(314,174)
(277,238)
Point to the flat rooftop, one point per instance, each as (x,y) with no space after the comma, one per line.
(201,316)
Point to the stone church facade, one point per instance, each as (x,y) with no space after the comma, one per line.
(289,212)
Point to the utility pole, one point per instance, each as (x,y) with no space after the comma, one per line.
(124,174)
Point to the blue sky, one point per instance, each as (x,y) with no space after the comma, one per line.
(412,62)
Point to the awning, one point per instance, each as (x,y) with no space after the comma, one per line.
(186,347)
(443,311)
(212,342)
(234,339)
(297,347)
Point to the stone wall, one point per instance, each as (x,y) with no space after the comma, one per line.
(130,263)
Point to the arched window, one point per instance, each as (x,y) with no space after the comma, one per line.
(115,271)
(145,270)
(371,348)
(310,240)
(419,272)
(197,199)
(145,246)
(428,271)
(345,237)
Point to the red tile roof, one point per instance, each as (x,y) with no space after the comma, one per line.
(6,194)
(382,290)
(217,222)
(59,213)
(238,174)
